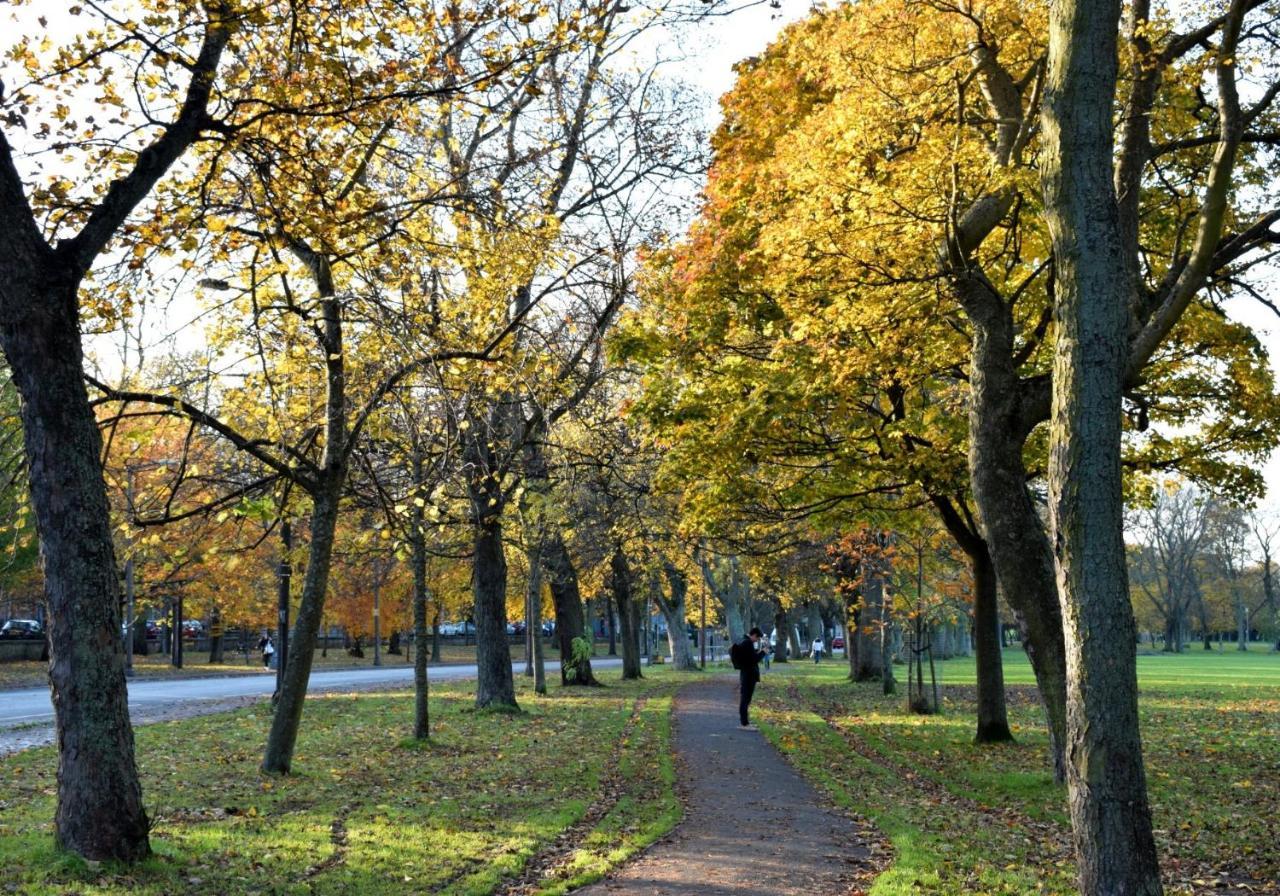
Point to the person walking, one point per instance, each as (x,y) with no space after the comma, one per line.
(817,648)
(268,650)
(745,656)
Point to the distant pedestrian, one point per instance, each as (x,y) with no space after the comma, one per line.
(817,648)
(268,650)
(766,653)
(745,656)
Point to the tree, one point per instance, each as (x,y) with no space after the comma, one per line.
(1172,529)
(53,235)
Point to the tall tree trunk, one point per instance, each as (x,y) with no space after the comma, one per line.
(612,620)
(870,663)
(215,640)
(780,635)
(99,812)
(675,612)
(999,424)
(628,613)
(570,621)
(993,721)
(1111,820)
(793,637)
(278,756)
(851,643)
(418,557)
(533,599)
(495,685)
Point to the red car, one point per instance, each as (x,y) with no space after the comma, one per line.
(837,643)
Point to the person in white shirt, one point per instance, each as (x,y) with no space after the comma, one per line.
(817,648)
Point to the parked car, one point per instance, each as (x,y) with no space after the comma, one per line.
(454,629)
(26,629)
(837,643)
(549,628)
(192,628)
(515,628)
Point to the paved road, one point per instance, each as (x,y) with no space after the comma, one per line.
(33,707)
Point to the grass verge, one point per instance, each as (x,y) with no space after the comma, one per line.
(964,818)
(366,810)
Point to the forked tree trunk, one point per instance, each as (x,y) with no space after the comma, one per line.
(1110,817)
(570,620)
(675,611)
(999,424)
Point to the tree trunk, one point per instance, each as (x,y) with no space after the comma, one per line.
(278,756)
(993,720)
(999,424)
(780,635)
(1111,821)
(570,621)
(533,600)
(675,611)
(887,633)
(435,636)
(99,813)
(495,685)
(851,626)
(611,619)
(793,637)
(418,558)
(870,664)
(215,641)
(628,613)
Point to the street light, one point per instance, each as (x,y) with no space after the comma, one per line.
(129,470)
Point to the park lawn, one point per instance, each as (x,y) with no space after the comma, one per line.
(368,810)
(964,818)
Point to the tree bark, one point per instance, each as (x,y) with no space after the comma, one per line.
(567,599)
(999,424)
(418,557)
(675,612)
(780,635)
(99,813)
(278,756)
(628,613)
(993,720)
(495,685)
(533,598)
(1111,820)
(870,664)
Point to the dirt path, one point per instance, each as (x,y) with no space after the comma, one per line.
(752,824)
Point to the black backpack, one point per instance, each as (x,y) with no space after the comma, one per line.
(735,655)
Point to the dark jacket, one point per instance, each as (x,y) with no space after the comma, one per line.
(750,659)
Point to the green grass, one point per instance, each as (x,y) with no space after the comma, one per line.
(367,810)
(964,818)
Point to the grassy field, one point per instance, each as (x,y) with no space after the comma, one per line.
(963,818)
(370,812)
(34,674)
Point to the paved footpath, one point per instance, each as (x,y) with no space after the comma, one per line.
(751,825)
